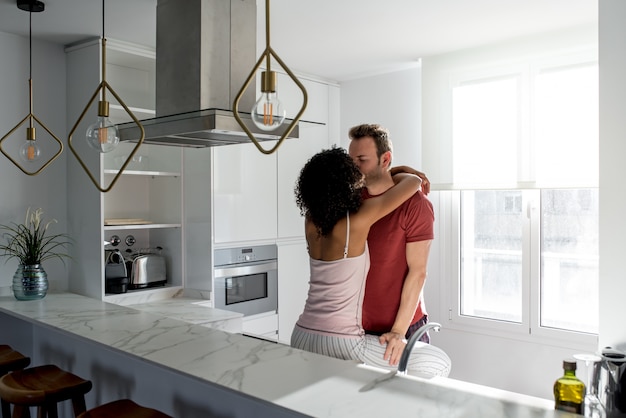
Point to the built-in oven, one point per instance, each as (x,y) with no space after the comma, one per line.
(245,280)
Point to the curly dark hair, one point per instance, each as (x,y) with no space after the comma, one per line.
(328,187)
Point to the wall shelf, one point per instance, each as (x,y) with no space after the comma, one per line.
(143,173)
(140,226)
(117,114)
(134,296)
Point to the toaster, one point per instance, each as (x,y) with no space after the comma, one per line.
(146,270)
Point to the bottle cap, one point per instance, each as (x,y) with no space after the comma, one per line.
(569,365)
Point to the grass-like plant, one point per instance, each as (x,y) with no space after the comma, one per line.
(30,242)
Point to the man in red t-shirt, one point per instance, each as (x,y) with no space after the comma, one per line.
(399,245)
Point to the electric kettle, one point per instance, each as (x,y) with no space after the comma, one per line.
(609,379)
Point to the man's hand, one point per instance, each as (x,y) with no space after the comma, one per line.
(395,346)
(410,170)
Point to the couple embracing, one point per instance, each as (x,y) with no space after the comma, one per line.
(368,230)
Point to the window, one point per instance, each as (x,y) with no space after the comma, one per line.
(524,200)
(485,123)
(499,248)
(491,255)
(569,259)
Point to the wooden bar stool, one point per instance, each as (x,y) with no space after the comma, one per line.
(43,387)
(124,408)
(10,360)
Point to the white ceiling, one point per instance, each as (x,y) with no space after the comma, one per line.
(333,39)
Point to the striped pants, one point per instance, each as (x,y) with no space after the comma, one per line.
(425,360)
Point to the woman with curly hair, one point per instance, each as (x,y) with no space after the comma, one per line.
(337,221)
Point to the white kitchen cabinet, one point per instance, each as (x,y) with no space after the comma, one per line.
(290,95)
(146,201)
(293,261)
(253,198)
(263,325)
(244,193)
(292,155)
(197,216)
(253,193)
(132,70)
(293,285)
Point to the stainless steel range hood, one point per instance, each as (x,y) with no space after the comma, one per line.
(199,129)
(205,50)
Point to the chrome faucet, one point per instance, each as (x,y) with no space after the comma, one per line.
(404,360)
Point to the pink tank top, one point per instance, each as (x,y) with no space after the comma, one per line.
(336,290)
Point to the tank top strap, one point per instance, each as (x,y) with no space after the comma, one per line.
(345,248)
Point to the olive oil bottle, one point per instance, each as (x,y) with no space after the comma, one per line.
(569,391)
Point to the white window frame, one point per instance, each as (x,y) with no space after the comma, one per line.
(448,219)
(529,329)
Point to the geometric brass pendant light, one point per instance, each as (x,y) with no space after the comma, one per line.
(103,135)
(267,113)
(30,151)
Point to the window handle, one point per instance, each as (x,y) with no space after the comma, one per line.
(528,210)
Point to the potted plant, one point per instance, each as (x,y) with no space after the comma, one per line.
(31,243)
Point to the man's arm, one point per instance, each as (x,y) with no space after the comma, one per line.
(417,260)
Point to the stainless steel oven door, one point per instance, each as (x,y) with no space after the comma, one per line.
(248,288)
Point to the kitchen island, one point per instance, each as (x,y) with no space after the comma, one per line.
(188,370)
(194,311)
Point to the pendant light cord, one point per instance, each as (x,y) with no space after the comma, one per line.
(103,95)
(30,67)
(102,19)
(267,33)
(30,44)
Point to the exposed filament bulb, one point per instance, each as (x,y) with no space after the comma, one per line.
(30,151)
(268,112)
(103,135)
(268,116)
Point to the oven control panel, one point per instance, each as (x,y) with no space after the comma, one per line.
(227,256)
(246,255)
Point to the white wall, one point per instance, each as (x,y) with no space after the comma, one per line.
(48,189)
(612,56)
(392,100)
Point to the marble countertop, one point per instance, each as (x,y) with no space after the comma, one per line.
(308,383)
(194,311)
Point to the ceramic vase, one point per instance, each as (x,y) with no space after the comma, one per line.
(30,282)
